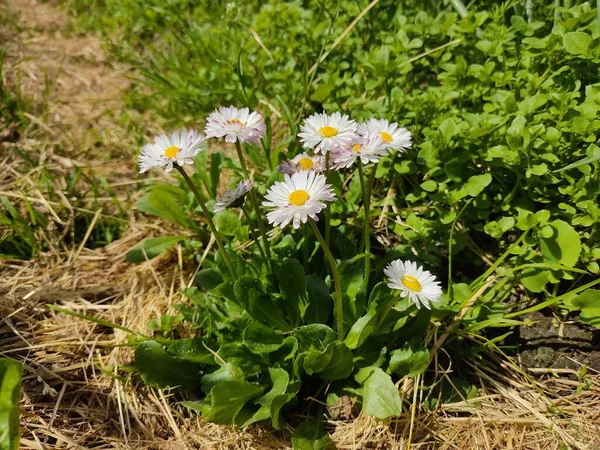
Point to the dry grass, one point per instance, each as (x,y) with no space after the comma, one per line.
(72,397)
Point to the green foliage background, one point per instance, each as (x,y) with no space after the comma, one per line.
(495,115)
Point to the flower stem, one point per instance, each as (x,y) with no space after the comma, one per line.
(367,222)
(339,307)
(211,224)
(253,233)
(327,211)
(261,225)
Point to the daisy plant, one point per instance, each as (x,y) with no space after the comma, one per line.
(269,327)
(299,199)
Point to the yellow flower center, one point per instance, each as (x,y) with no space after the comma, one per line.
(385,137)
(412,283)
(306,163)
(235,122)
(299,197)
(171,152)
(356,148)
(328,131)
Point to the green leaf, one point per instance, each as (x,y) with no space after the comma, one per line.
(261,339)
(429,186)
(409,360)
(564,247)
(448,130)
(314,334)
(192,350)
(477,183)
(228,223)
(534,279)
(381,399)
(10,387)
(166,201)
(320,303)
(151,248)
(336,362)
(588,302)
(226,400)
(240,266)
(361,329)
(239,355)
(279,404)
(310,435)
(530,104)
(292,284)
(281,381)
(159,369)
(227,372)
(352,280)
(209,279)
(576,42)
(248,291)
(517,136)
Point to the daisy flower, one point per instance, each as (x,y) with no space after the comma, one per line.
(234,197)
(368,149)
(302,162)
(235,125)
(180,148)
(297,198)
(392,136)
(418,284)
(324,132)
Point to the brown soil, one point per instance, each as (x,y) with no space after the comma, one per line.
(72,397)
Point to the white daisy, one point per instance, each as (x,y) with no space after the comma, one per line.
(418,284)
(180,148)
(392,136)
(235,125)
(234,197)
(297,198)
(368,149)
(324,132)
(303,161)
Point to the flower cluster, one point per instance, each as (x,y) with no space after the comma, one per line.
(336,142)
(235,125)
(342,142)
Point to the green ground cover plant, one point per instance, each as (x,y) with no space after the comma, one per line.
(10,384)
(498,196)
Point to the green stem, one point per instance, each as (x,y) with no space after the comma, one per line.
(339,307)
(367,223)
(211,224)
(327,211)
(305,246)
(253,233)
(261,225)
